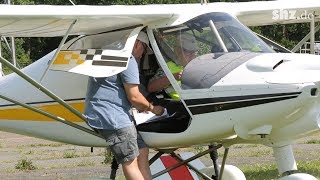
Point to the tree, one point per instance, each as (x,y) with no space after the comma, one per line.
(287,35)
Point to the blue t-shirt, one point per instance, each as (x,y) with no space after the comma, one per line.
(106,105)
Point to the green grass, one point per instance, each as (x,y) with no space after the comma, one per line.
(313,141)
(245,145)
(41,145)
(108,157)
(251,153)
(263,171)
(25,164)
(24,152)
(85,163)
(70,154)
(310,167)
(259,153)
(77,164)
(29,152)
(260,172)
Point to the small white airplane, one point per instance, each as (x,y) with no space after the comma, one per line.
(239,89)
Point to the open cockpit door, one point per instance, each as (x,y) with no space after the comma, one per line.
(98,55)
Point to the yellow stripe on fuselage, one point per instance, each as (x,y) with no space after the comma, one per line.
(19,113)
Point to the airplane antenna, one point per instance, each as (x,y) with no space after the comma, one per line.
(72,2)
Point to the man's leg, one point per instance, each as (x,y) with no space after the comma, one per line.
(131,170)
(143,158)
(143,163)
(124,147)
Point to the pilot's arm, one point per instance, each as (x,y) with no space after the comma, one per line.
(139,101)
(158,83)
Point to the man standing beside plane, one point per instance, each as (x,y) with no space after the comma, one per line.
(108,103)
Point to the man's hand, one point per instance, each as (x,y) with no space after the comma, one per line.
(178,75)
(157,110)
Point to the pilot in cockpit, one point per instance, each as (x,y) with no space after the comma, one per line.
(185,50)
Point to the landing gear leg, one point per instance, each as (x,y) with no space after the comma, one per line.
(114,168)
(226,172)
(287,165)
(214,158)
(285,159)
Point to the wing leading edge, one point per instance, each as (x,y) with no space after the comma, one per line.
(48,21)
(259,13)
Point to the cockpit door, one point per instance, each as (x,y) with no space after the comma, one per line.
(98,55)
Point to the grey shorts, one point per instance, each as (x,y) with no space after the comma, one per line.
(124,143)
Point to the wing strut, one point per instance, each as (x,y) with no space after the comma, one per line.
(58,49)
(204,176)
(42,88)
(51,116)
(226,151)
(306,38)
(4,39)
(312,35)
(185,162)
(6,43)
(216,33)
(1,72)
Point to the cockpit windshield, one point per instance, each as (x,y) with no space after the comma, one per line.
(210,35)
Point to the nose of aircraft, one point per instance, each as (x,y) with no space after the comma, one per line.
(251,68)
(294,68)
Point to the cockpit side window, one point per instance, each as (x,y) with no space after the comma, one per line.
(180,46)
(112,41)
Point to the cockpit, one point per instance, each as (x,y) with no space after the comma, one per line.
(208,47)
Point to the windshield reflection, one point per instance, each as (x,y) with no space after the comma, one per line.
(210,35)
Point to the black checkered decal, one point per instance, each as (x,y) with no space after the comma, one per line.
(95,55)
(91,54)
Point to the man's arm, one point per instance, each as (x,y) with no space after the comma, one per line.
(139,101)
(160,83)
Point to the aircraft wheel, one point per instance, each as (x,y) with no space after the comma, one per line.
(298,176)
(230,172)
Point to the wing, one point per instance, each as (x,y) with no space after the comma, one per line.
(48,21)
(276,12)
(95,54)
